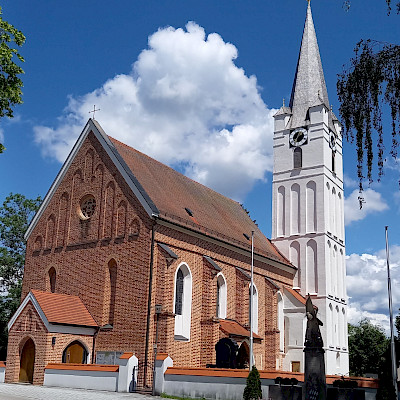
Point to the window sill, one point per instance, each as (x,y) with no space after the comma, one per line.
(181,338)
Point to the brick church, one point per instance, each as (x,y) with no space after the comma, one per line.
(119,233)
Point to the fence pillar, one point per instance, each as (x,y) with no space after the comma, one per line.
(126,381)
(163,361)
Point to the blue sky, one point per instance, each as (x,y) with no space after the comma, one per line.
(81,53)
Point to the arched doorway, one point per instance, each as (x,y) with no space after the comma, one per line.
(75,353)
(226,350)
(27,362)
(243,356)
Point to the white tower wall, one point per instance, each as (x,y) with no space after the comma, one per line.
(308,212)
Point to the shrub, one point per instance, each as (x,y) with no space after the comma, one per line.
(252,391)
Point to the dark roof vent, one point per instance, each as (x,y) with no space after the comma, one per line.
(246,236)
(189,211)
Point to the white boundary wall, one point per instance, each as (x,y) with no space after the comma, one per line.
(2,374)
(113,378)
(80,379)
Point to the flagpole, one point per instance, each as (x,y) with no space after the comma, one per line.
(393,351)
(251,301)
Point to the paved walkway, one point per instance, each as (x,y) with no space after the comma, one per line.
(10,391)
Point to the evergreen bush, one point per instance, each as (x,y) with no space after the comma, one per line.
(252,391)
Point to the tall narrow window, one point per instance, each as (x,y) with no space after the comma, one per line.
(254,310)
(333,161)
(183,302)
(221,297)
(112,270)
(52,279)
(179,292)
(297,157)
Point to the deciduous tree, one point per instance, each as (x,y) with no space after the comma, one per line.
(15,216)
(367,346)
(10,83)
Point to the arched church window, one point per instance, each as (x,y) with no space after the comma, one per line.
(221,296)
(75,353)
(297,157)
(183,302)
(112,270)
(52,279)
(254,310)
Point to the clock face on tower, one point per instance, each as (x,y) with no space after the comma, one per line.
(298,137)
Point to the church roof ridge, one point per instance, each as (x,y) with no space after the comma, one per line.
(309,85)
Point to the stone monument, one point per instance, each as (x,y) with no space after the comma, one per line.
(314,360)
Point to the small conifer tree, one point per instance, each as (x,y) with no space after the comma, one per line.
(252,391)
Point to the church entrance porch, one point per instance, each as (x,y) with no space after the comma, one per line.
(27,362)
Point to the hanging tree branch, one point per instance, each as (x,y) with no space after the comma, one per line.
(372,80)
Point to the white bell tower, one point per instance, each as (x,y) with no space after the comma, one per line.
(307,212)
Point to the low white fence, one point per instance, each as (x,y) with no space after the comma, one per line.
(218,383)
(2,371)
(114,378)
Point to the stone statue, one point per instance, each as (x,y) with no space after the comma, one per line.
(314,363)
(313,334)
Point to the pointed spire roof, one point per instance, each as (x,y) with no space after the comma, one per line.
(309,88)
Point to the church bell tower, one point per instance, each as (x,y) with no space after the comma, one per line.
(307,214)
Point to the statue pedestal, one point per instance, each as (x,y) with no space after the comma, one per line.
(314,374)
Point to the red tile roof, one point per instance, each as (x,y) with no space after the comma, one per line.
(213,213)
(296,295)
(233,328)
(64,309)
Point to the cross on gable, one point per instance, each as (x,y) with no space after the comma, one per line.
(94,111)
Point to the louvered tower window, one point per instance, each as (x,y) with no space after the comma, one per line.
(297,158)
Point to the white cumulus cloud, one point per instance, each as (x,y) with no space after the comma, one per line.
(374,203)
(367,286)
(184,103)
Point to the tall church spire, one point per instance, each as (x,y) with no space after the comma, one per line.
(309,87)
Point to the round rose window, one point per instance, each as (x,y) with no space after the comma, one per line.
(87,207)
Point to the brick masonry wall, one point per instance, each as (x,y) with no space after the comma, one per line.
(120,230)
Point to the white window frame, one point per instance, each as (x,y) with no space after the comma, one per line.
(183,321)
(254,310)
(221,296)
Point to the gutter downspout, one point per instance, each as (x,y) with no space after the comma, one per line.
(94,343)
(146,350)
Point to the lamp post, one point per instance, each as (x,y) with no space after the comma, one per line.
(392,347)
(251,298)
(251,301)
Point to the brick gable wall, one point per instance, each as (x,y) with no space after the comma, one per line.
(80,251)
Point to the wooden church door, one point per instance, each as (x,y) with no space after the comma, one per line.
(75,353)
(27,362)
